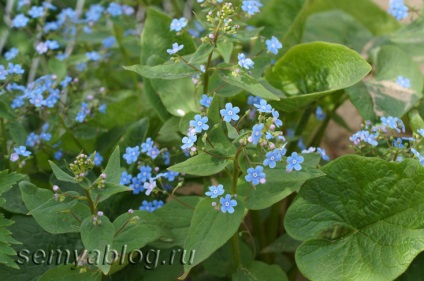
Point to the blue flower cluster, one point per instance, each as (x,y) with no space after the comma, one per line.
(151,206)
(227,203)
(403,82)
(34,139)
(398,9)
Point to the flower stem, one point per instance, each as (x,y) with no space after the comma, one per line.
(235,246)
(90,201)
(4,139)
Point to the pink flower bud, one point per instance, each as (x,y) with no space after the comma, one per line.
(213,204)
(55,188)
(103,175)
(100,213)
(262,180)
(131,211)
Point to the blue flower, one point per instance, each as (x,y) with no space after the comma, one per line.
(3,72)
(175,49)
(108,42)
(153,153)
(398,143)
(22,150)
(147,145)
(189,141)
(166,157)
(393,123)
(273,45)
(275,119)
(251,7)
(263,106)
(293,162)
(171,175)
(320,113)
(11,54)
(102,108)
(252,100)
(272,157)
(245,62)
(323,154)
(215,191)
(94,56)
(15,68)
(230,113)
(145,173)
(20,21)
(421,132)
(32,139)
(136,185)
(398,9)
(255,175)
(257,133)
(403,82)
(199,123)
(114,9)
(149,186)
(98,159)
(131,154)
(125,178)
(178,24)
(206,101)
(52,44)
(227,204)
(94,13)
(36,11)
(58,154)
(156,204)
(146,206)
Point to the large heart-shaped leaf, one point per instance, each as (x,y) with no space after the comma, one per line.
(365,217)
(312,70)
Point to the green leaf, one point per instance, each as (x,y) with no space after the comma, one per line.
(178,96)
(284,244)
(177,216)
(288,18)
(364,216)
(165,71)
(113,168)
(53,216)
(109,190)
(201,53)
(5,111)
(60,174)
(97,239)
(246,82)
(279,184)
(259,271)
(70,273)
(225,48)
(342,29)
(312,70)
(155,40)
(136,133)
(137,234)
(209,230)
(385,96)
(57,67)
(202,164)
(7,180)
(34,240)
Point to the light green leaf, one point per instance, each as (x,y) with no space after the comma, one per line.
(246,82)
(137,234)
(201,53)
(165,71)
(109,190)
(5,111)
(310,71)
(53,216)
(259,271)
(176,216)
(209,230)
(202,164)
(97,239)
(365,217)
(70,273)
(60,174)
(113,168)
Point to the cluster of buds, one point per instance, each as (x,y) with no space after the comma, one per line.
(101,181)
(81,166)
(57,195)
(96,220)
